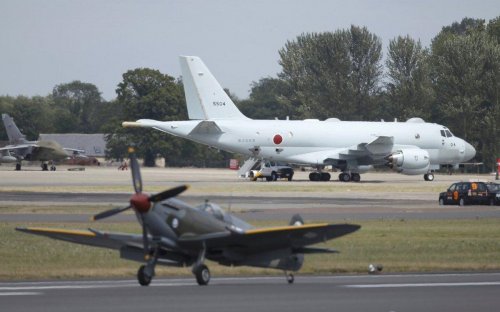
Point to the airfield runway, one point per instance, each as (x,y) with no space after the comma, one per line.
(420,292)
(378,196)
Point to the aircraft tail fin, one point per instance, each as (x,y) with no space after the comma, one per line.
(205,98)
(15,136)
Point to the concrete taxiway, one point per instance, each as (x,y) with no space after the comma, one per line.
(420,292)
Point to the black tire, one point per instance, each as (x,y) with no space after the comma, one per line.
(202,274)
(18,167)
(290,278)
(314,176)
(430,177)
(290,177)
(142,277)
(344,177)
(355,177)
(461,202)
(441,201)
(45,167)
(325,176)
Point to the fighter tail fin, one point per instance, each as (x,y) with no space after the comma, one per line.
(205,98)
(15,136)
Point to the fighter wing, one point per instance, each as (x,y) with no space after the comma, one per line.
(379,147)
(89,237)
(75,152)
(16,147)
(274,238)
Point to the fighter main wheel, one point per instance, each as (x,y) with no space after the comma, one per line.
(290,278)
(202,274)
(142,277)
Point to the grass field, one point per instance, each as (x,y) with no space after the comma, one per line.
(400,246)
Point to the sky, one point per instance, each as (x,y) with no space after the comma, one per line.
(46,43)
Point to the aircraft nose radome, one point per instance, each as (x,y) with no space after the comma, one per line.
(470,152)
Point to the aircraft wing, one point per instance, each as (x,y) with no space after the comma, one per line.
(380,146)
(16,147)
(89,237)
(266,239)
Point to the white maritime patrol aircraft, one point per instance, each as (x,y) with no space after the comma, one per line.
(412,147)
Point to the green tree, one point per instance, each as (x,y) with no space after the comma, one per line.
(409,88)
(77,106)
(149,94)
(269,99)
(466,69)
(333,74)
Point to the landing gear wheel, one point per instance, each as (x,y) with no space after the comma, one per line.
(52,168)
(315,176)
(202,274)
(430,177)
(344,177)
(324,176)
(142,277)
(290,177)
(355,177)
(45,167)
(290,278)
(18,167)
(274,176)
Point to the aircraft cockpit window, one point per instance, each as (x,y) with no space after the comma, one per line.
(443,134)
(212,209)
(448,134)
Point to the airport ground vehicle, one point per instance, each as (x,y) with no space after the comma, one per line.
(272,171)
(468,193)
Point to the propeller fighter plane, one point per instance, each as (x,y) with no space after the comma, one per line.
(177,234)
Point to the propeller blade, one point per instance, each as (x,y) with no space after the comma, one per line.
(109,213)
(168,193)
(145,241)
(136,172)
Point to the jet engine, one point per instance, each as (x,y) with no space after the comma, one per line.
(409,161)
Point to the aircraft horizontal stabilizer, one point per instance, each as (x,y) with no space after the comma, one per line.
(206,127)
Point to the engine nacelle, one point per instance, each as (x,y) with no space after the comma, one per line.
(411,161)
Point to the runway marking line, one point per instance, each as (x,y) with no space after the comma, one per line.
(25,293)
(457,284)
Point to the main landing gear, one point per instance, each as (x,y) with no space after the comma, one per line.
(147,272)
(319,176)
(346,177)
(429,176)
(289,277)
(200,270)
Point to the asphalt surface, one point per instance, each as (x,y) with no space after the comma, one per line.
(256,207)
(431,292)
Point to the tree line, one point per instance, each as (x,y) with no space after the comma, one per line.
(455,82)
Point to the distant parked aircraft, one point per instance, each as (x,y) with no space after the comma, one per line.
(20,149)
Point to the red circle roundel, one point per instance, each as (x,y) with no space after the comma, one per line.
(277,139)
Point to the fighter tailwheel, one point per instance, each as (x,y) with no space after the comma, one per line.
(289,277)
(202,274)
(143,278)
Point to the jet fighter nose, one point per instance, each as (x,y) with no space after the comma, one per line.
(470,152)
